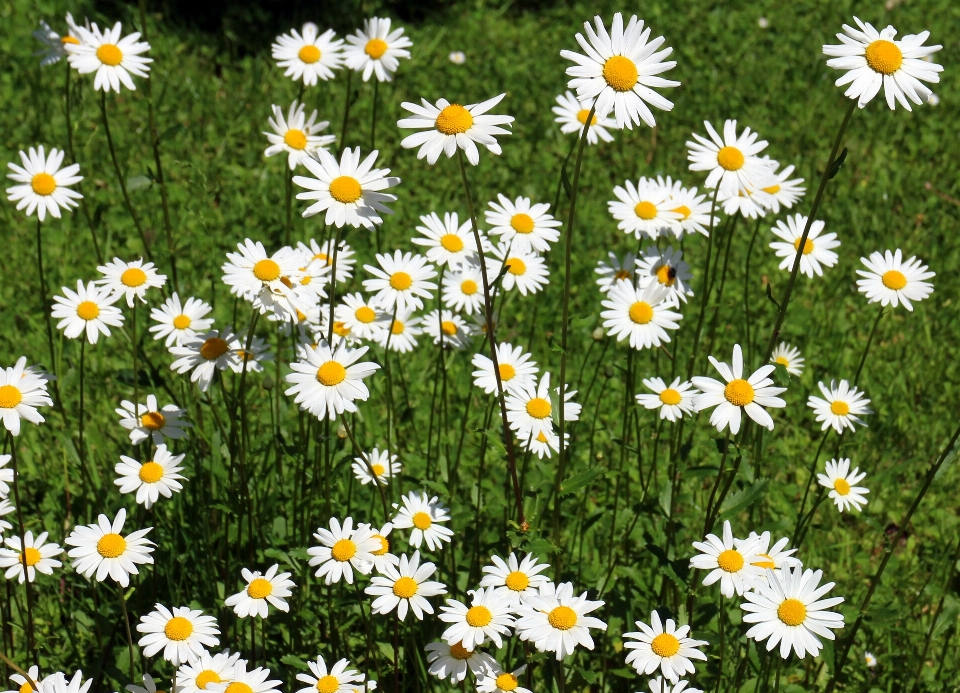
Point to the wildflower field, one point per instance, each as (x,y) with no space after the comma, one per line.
(501,349)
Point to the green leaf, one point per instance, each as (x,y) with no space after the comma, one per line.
(540,546)
(294,661)
(743,498)
(138,183)
(578,481)
(588,676)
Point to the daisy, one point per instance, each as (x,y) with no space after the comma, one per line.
(448,242)
(530,409)
(405,586)
(54,42)
(516,369)
(344,549)
(383,464)
(841,406)
(89,310)
(731,561)
(572,116)
(525,227)
(206,354)
(749,394)
(329,381)
(296,134)
(339,679)
(487,617)
(262,591)
(499,681)
(323,254)
(457,58)
(674,401)
(788,357)
(526,271)
(868,659)
(37,556)
(422,515)
(194,676)
(24,685)
(6,476)
(749,204)
(875,59)
(158,477)
(178,322)
(401,336)
(558,622)
(448,126)
(252,356)
(658,685)
(642,314)
(774,557)
(463,289)
(612,271)
(376,50)
(667,649)
(891,280)
(6,507)
(307,56)
(149,686)
(57,683)
(42,185)
(784,192)
(349,191)
(516,581)
(363,319)
(401,280)
(817,251)
(241,681)
(382,556)
(544,444)
(130,279)
(102,550)
(790,609)
(694,209)
(113,58)
(732,160)
(666,268)
(452,661)
(182,633)
(644,209)
(267,281)
(21,393)
(447,327)
(619,71)
(842,484)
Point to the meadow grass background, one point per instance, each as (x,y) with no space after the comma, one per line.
(213,92)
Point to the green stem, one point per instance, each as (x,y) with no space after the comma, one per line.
(346,112)
(863,358)
(921,660)
(49,322)
(73,159)
(810,475)
(126,622)
(695,346)
(373,119)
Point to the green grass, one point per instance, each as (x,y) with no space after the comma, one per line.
(212,98)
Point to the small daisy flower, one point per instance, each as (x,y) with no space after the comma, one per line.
(516,581)
(666,268)
(382,556)
(613,271)
(644,209)
(572,116)
(524,226)
(516,367)
(24,685)
(750,204)
(452,661)
(732,160)
(891,280)
(668,649)
(296,134)
(788,357)
(157,477)
(344,549)
(42,185)
(785,192)
(674,401)
(449,243)
(694,209)
(205,354)
(790,609)
(449,126)
(817,251)
(329,381)
(457,58)
(364,319)
(130,279)
(401,335)
(526,271)
(58,683)
(499,681)
(843,484)
(113,58)
(750,395)
(102,551)
(487,617)
(463,289)
(54,42)
(530,410)
(90,309)
(642,314)
(620,71)
(241,681)
(401,280)
(181,633)
(21,393)
(423,516)
(262,591)
(383,464)
(841,407)
(558,622)
(544,445)
(730,561)
(206,669)
(375,50)
(252,359)
(774,557)
(34,553)
(307,56)
(874,59)
(658,685)
(868,659)
(323,254)
(178,322)
(338,679)
(448,327)
(404,587)
(267,281)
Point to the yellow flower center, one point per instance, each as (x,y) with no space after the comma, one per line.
(207,676)
(422,520)
(309,54)
(468,287)
(841,486)
(641,312)
(238,687)
(458,651)
(340,329)
(133,277)
(516,266)
(683,211)
(807,246)
(622,274)
(10,396)
(451,242)
(401,281)
(670,397)
(366,314)
(331,373)
(893,279)
(375,48)
(730,158)
(43,184)
(449,327)
(730,561)
(782,360)
(454,120)
(884,57)
(517,581)
(150,472)
(110,55)
(792,611)
(384,545)
(182,322)
(214,348)
(582,116)
(620,73)
(539,408)
(378,469)
(773,189)
(322,256)
(765,564)
(839,408)
(259,588)
(507,372)
(88,310)
(178,629)
(111,545)
(266,270)
(405,587)
(328,684)
(666,275)
(739,392)
(30,556)
(64,40)
(478,616)
(343,550)
(25,688)
(522,223)
(665,645)
(646,210)
(295,139)
(507,682)
(345,189)
(562,618)
(398,327)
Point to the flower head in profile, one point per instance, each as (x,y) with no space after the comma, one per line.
(34,554)
(111,57)
(338,679)
(556,620)
(375,50)
(42,185)
(181,633)
(817,251)
(572,116)
(296,134)
(328,382)
(525,226)
(423,515)
(305,55)
(732,562)
(667,648)
(788,357)
(749,395)
(841,406)
(732,162)
(404,587)
(349,191)
(177,322)
(449,126)
(102,551)
(891,280)
(843,485)
(674,400)
(21,393)
(130,279)
(152,479)
(263,590)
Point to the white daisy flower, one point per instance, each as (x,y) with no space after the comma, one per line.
(500,681)
(774,557)
(54,42)
(113,58)
(42,185)
(24,685)
(6,507)
(455,331)
(487,617)
(841,406)
(376,50)
(694,209)
(516,367)
(620,71)
(181,633)
(750,204)
(157,477)
(642,314)
(544,445)
(526,271)
(21,393)
(90,309)
(817,251)
(383,464)
(556,620)
(613,271)
(130,279)
(674,401)
(668,649)
(463,289)
(457,58)
(891,280)
(243,681)
(6,476)
(401,280)
(572,116)
(422,516)
(267,281)
(253,358)
(449,243)
(530,409)
(344,549)
(205,354)
(296,134)
(452,661)
(177,322)
(206,669)
(666,268)
(843,484)
(329,382)
(448,126)
(338,679)
(868,659)
(658,685)
(730,561)
(323,254)
(784,192)
(733,160)
(749,394)
(34,553)
(262,591)
(401,335)
(58,683)
(645,209)
(524,226)
(307,56)
(102,551)
(516,581)
(788,357)
(382,556)
(364,319)
(404,587)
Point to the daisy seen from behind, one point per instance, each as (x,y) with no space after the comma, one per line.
(487,618)
(263,590)
(34,553)
(516,369)
(342,550)
(111,57)
(404,587)
(152,479)
(526,227)
(130,279)
(453,661)
(423,515)
(841,406)
(89,310)
(730,561)
(642,315)
(448,126)
(556,620)
(674,400)
(177,322)
(842,483)
(381,463)
(375,50)
(296,134)
(891,280)
(817,252)
(328,382)
(572,116)
(101,551)
(21,394)
(515,580)
(731,162)
(789,357)
(305,55)
(401,280)
(338,679)
(43,186)
(205,354)
(181,633)
(666,648)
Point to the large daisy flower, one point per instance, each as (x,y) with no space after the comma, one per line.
(262,591)
(572,116)
(296,134)
(732,160)
(817,251)
(102,551)
(515,366)
(343,549)
(130,279)
(448,126)
(841,406)
(525,226)
(307,56)
(750,395)
(267,281)
(732,562)
(42,185)
(178,321)
(515,580)
(449,243)
(556,620)
(487,617)
(90,309)
(405,586)
(530,410)
(644,209)
(182,633)
(668,649)
(113,58)
(401,280)
(422,515)
(376,50)
(642,314)
(152,479)
(891,280)
(328,382)
(463,289)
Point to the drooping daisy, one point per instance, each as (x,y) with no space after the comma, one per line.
(383,464)
(401,334)
(34,553)
(774,557)
(152,479)
(790,609)
(843,484)
(42,185)
(694,209)
(500,681)
(524,226)
(102,551)
(130,279)
(785,192)
(339,679)
(620,70)
(644,209)
(452,661)
(323,253)
(262,591)
(841,406)
(296,134)
(514,580)
(732,160)
(206,669)
(613,271)
(90,309)
(891,280)
(572,116)
(666,268)
(21,392)
(376,50)
(526,271)
(206,354)
(448,126)
(242,681)
(530,409)
(307,56)
(404,587)
(423,514)
(731,561)
(448,242)
(182,633)
(788,357)
(382,556)
(875,59)
(113,58)
(668,649)
(448,327)
(556,620)
(749,394)
(643,315)
(516,369)
(177,322)
(343,549)
(487,617)
(329,381)
(364,319)
(401,280)
(674,401)
(463,289)
(817,251)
